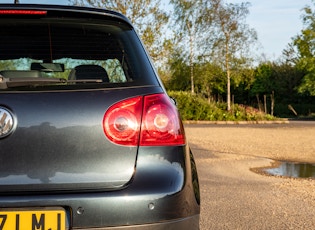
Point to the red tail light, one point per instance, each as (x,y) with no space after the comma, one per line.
(146,121)
(160,122)
(24,12)
(122,122)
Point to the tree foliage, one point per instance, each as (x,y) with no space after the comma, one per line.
(147,16)
(224,41)
(206,50)
(231,36)
(180,73)
(187,20)
(305,43)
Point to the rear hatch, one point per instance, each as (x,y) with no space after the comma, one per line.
(59,142)
(61,70)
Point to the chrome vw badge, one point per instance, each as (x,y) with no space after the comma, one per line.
(6,122)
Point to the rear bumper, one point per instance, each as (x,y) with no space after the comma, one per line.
(163,194)
(182,224)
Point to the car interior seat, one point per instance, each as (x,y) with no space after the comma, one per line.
(88,72)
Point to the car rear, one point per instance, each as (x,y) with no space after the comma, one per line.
(88,137)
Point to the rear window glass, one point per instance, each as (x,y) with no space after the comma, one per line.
(72,53)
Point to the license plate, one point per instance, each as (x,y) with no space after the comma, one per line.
(33,219)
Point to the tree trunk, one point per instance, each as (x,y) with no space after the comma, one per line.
(228,73)
(228,94)
(265,103)
(272,96)
(192,67)
(208,94)
(258,102)
(191,56)
(232,102)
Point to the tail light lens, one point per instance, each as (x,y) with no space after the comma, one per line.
(151,120)
(23,12)
(122,122)
(160,124)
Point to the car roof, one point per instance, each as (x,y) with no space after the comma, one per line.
(66,10)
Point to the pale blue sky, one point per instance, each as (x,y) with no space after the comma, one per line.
(276,21)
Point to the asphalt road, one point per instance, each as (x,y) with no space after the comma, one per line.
(233,196)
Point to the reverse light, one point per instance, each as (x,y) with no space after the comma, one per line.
(151,120)
(23,12)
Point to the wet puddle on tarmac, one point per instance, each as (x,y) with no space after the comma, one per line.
(291,169)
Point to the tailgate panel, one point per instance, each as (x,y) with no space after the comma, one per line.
(59,143)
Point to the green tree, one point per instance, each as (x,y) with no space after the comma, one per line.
(264,79)
(209,80)
(187,20)
(231,36)
(147,17)
(305,44)
(241,85)
(179,72)
(279,82)
(7,64)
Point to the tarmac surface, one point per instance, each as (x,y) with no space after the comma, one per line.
(235,197)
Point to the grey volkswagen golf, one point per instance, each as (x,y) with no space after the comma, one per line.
(89,138)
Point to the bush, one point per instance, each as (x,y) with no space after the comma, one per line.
(194,107)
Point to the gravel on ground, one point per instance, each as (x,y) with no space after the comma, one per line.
(233,196)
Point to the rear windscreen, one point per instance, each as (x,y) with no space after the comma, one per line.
(70,53)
